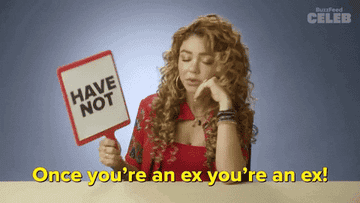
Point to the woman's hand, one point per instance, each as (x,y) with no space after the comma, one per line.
(109,154)
(217,93)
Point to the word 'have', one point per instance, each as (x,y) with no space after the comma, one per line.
(99,102)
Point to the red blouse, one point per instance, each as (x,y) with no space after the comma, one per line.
(178,158)
(188,158)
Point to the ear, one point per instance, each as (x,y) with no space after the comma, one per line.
(218,65)
(219,70)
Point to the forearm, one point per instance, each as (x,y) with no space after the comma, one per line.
(123,164)
(229,155)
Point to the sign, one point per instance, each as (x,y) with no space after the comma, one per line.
(93,97)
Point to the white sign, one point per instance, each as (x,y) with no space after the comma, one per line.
(93,97)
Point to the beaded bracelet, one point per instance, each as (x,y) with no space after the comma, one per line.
(226,122)
(227,116)
(229,112)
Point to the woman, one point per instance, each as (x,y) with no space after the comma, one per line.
(200,119)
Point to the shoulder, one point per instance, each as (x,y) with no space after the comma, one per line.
(149,99)
(146,103)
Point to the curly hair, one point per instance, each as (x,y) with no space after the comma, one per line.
(231,55)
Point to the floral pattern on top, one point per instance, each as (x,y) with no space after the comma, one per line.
(136,150)
(139,119)
(141,144)
(135,147)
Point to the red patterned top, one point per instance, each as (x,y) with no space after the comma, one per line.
(188,158)
(177,158)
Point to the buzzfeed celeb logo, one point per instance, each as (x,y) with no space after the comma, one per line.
(329,16)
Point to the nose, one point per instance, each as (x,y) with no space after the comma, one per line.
(194,66)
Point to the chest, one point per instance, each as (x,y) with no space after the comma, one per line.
(189,135)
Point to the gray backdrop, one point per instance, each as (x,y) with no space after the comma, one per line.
(305,78)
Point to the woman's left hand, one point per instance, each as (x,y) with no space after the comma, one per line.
(217,93)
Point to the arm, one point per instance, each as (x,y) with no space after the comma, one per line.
(122,164)
(110,156)
(229,156)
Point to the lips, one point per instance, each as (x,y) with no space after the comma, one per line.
(193,82)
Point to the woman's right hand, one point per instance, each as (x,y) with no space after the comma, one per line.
(110,154)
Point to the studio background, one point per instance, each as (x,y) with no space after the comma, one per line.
(306,78)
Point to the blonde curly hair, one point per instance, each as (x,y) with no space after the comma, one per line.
(232,56)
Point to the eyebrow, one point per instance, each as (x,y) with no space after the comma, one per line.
(202,53)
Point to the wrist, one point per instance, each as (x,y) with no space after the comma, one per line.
(226,117)
(120,165)
(225,104)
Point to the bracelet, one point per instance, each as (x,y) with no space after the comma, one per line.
(227,116)
(230,112)
(226,122)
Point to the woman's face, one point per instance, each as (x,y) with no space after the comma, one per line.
(196,63)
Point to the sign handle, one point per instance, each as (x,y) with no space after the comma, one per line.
(111,135)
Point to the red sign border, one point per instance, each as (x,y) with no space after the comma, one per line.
(109,133)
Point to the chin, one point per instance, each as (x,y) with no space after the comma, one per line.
(190,89)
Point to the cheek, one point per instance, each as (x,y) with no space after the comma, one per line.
(209,71)
(182,71)
(182,68)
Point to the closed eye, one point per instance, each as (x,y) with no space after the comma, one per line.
(208,61)
(185,59)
